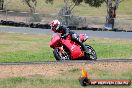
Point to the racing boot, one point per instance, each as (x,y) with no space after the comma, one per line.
(87,51)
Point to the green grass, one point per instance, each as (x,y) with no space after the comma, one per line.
(64,81)
(45,83)
(83,9)
(21,47)
(111,48)
(37,83)
(16,47)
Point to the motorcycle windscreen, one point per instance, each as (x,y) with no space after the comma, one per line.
(55,40)
(74,49)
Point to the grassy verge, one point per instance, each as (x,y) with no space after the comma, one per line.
(111,48)
(46,83)
(66,79)
(25,47)
(82,10)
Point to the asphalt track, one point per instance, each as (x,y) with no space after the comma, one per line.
(99,34)
(68,61)
(118,35)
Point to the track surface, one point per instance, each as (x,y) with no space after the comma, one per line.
(76,61)
(100,34)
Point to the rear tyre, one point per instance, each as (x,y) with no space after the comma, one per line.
(60,56)
(92,54)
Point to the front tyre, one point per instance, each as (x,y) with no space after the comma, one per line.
(59,55)
(92,53)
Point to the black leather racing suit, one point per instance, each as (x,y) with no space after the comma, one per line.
(75,37)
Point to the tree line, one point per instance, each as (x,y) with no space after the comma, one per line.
(112,6)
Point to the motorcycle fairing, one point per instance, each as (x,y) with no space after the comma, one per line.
(55,39)
(73,48)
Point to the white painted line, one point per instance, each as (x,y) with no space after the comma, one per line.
(24,12)
(18,12)
(10,11)
(35,13)
(2,10)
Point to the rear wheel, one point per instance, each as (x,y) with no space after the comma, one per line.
(92,53)
(59,55)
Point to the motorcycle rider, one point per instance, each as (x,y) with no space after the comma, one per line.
(58,28)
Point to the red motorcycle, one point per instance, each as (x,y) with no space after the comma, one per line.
(66,49)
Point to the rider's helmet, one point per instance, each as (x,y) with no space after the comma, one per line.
(55,24)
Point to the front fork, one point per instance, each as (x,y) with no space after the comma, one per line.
(61,49)
(64,53)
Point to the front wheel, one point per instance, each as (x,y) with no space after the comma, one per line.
(92,53)
(60,55)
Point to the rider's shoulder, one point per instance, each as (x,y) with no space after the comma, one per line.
(63,27)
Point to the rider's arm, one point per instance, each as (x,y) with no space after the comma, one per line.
(65,31)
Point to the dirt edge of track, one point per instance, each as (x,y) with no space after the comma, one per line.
(48,70)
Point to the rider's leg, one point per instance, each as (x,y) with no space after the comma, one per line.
(75,38)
